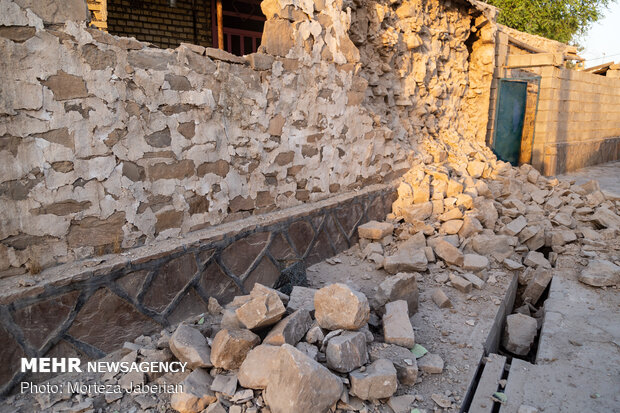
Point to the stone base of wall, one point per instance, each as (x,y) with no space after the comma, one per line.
(90,308)
(567,157)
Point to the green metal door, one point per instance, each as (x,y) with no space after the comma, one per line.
(509,120)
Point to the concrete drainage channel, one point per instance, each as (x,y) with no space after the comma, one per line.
(489,388)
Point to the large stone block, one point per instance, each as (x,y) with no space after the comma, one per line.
(339,306)
(401,286)
(537,285)
(190,346)
(196,393)
(600,273)
(397,328)
(448,252)
(347,351)
(257,367)
(403,359)
(375,230)
(290,329)
(301,385)
(406,261)
(378,381)
(278,37)
(263,309)
(231,346)
(519,333)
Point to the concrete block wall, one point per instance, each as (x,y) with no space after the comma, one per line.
(578,118)
(578,122)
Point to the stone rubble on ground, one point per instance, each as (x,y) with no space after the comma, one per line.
(441,299)
(397,328)
(338,306)
(600,273)
(377,381)
(347,351)
(431,363)
(323,351)
(519,333)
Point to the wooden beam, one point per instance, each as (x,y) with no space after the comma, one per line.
(220,25)
(532,60)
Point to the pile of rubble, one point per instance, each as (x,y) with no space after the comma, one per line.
(316,353)
(463,212)
(461,217)
(312,351)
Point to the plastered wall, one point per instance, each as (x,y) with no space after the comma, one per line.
(107,144)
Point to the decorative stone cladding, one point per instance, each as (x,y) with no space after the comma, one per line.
(154,21)
(91,308)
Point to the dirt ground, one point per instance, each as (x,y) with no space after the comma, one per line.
(456,334)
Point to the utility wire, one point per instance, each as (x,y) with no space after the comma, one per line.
(604,57)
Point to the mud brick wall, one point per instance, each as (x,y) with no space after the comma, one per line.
(154,21)
(107,144)
(100,307)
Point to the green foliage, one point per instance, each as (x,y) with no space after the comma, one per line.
(561,20)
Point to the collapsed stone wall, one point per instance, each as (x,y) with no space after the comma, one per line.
(428,66)
(107,144)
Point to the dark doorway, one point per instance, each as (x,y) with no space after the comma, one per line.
(243,25)
(509,120)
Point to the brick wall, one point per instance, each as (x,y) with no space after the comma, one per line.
(156,22)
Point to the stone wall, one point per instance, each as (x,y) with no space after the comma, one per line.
(173,160)
(107,144)
(154,21)
(536,42)
(423,80)
(88,309)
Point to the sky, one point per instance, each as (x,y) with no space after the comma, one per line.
(602,42)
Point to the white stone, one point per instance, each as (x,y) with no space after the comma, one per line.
(519,333)
(475,262)
(397,328)
(339,306)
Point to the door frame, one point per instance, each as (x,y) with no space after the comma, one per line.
(528,79)
(229,31)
